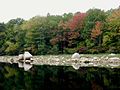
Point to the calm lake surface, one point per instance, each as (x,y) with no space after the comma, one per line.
(46,77)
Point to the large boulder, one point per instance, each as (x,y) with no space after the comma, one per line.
(20,57)
(27,56)
(75,56)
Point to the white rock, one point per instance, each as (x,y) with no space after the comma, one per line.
(84,59)
(27,55)
(95,58)
(114,58)
(28,61)
(76,56)
(106,57)
(90,63)
(20,57)
(112,54)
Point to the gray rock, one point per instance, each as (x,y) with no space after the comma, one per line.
(75,56)
(27,55)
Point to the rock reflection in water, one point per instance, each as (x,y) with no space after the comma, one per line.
(24,65)
(20,64)
(76,66)
(27,66)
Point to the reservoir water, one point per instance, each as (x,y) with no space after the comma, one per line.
(52,77)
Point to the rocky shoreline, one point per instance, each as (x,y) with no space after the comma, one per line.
(83,61)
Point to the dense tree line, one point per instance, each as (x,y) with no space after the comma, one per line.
(95,31)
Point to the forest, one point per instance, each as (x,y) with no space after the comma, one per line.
(92,32)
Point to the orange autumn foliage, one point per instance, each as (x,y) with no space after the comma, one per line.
(97,30)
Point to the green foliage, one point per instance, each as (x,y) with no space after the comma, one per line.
(11,48)
(70,50)
(2,37)
(95,31)
(54,50)
(89,43)
(10,72)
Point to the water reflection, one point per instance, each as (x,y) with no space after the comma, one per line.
(46,77)
(76,66)
(20,64)
(26,66)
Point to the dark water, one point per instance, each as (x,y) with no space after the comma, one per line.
(45,77)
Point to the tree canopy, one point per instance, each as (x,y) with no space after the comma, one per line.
(94,31)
